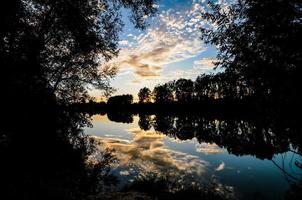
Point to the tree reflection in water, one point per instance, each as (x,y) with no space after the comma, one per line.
(273,139)
(46,156)
(53,159)
(258,137)
(264,138)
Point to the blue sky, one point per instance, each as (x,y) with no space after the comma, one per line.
(170,48)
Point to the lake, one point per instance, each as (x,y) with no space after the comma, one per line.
(251,159)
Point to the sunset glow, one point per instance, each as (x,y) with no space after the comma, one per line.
(168,49)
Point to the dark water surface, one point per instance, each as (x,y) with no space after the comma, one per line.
(251,159)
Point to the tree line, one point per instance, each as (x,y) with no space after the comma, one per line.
(259,51)
(260,137)
(258,45)
(206,87)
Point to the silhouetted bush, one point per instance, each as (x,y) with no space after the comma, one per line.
(120,100)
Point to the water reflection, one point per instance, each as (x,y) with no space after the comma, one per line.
(261,138)
(251,157)
(149,157)
(147,153)
(46,155)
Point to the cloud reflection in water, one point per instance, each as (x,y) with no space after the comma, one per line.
(147,153)
(208,148)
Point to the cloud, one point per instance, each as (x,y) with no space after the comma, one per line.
(147,153)
(220,167)
(135,81)
(205,63)
(208,148)
(141,69)
(124,42)
(172,37)
(124,173)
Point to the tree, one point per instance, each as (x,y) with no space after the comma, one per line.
(163,93)
(200,87)
(61,46)
(144,95)
(258,42)
(184,90)
(208,86)
(145,122)
(120,100)
(51,51)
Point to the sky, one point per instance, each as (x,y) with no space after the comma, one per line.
(168,49)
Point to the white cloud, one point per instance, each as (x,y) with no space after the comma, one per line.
(124,42)
(173,37)
(205,63)
(220,167)
(124,173)
(148,153)
(208,148)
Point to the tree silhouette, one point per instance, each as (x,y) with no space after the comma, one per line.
(259,137)
(120,100)
(163,93)
(118,116)
(62,46)
(145,122)
(144,95)
(51,51)
(184,90)
(200,87)
(55,157)
(164,123)
(259,42)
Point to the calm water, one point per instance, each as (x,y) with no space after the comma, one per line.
(197,150)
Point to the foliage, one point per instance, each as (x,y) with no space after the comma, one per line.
(51,53)
(184,90)
(61,45)
(144,95)
(163,93)
(55,156)
(120,100)
(260,137)
(205,87)
(258,43)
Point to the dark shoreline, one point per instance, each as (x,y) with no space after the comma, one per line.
(215,109)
